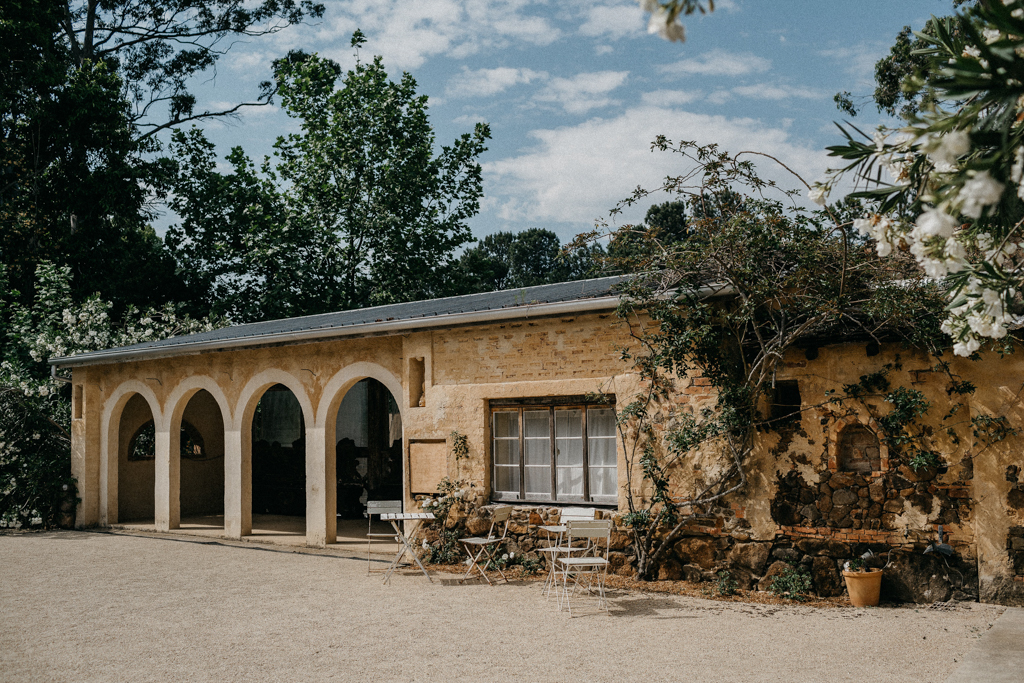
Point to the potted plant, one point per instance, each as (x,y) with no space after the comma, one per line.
(863,583)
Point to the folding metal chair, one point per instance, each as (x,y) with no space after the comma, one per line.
(378,508)
(591,565)
(565,516)
(487,546)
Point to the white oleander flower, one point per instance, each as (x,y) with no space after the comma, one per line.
(950,147)
(972,51)
(980,191)
(818,195)
(991,35)
(934,222)
(660,25)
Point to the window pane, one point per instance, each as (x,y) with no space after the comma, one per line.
(506,424)
(568,423)
(570,452)
(506,452)
(601,422)
(570,482)
(538,481)
(536,423)
(602,452)
(506,478)
(538,451)
(602,481)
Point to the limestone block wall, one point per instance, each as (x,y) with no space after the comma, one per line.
(799,503)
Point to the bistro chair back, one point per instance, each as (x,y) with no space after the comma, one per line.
(486,546)
(378,508)
(551,553)
(588,570)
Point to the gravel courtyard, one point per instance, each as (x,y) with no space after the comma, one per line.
(80,606)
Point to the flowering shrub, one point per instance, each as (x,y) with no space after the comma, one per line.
(35,407)
(446,549)
(952,188)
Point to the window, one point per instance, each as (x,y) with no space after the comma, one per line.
(142,445)
(554,452)
(786,402)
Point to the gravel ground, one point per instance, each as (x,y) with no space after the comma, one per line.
(79,606)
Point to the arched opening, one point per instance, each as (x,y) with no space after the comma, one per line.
(279,459)
(201,491)
(136,462)
(858,451)
(368,448)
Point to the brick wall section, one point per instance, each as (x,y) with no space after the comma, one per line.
(578,347)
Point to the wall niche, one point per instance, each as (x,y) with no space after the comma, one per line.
(858,450)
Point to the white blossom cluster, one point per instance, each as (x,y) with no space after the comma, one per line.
(661,23)
(963,189)
(55,326)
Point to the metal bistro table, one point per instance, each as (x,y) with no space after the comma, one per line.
(405,542)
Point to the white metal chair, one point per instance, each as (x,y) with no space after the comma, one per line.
(590,566)
(487,546)
(378,508)
(552,552)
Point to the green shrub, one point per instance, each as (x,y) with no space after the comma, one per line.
(794,583)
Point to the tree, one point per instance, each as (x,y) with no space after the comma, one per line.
(898,74)
(156,47)
(355,210)
(948,198)
(86,87)
(753,277)
(664,223)
(35,407)
(507,260)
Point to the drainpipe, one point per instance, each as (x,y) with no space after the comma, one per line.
(59,378)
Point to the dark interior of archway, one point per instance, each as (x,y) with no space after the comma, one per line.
(369,448)
(278,454)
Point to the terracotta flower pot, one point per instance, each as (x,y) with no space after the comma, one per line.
(864,587)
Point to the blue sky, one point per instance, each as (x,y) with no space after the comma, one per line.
(575,91)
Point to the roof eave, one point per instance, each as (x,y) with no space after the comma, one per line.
(127,354)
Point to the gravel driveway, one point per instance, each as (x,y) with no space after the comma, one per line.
(81,606)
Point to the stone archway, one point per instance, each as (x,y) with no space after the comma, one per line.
(114,445)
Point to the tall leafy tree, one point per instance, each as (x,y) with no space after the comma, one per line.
(506,260)
(356,209)
(86,86)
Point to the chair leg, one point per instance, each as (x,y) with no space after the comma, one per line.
(474,563)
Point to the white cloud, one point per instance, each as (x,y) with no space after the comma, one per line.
(858,60)
(670,98)
(409,33)
(763,91)
(487,82)
(575,174)
(583,92)
(718,63)
(614,21)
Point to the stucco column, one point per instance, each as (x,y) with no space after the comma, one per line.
(321,491)
(167,498)
(83,453)
(237,486)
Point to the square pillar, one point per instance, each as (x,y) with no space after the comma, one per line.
(167,497)
(321,491)
(237,485)
(86,428)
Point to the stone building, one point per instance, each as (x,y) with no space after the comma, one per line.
(309,417)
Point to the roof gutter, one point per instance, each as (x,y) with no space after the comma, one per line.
(127,354)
